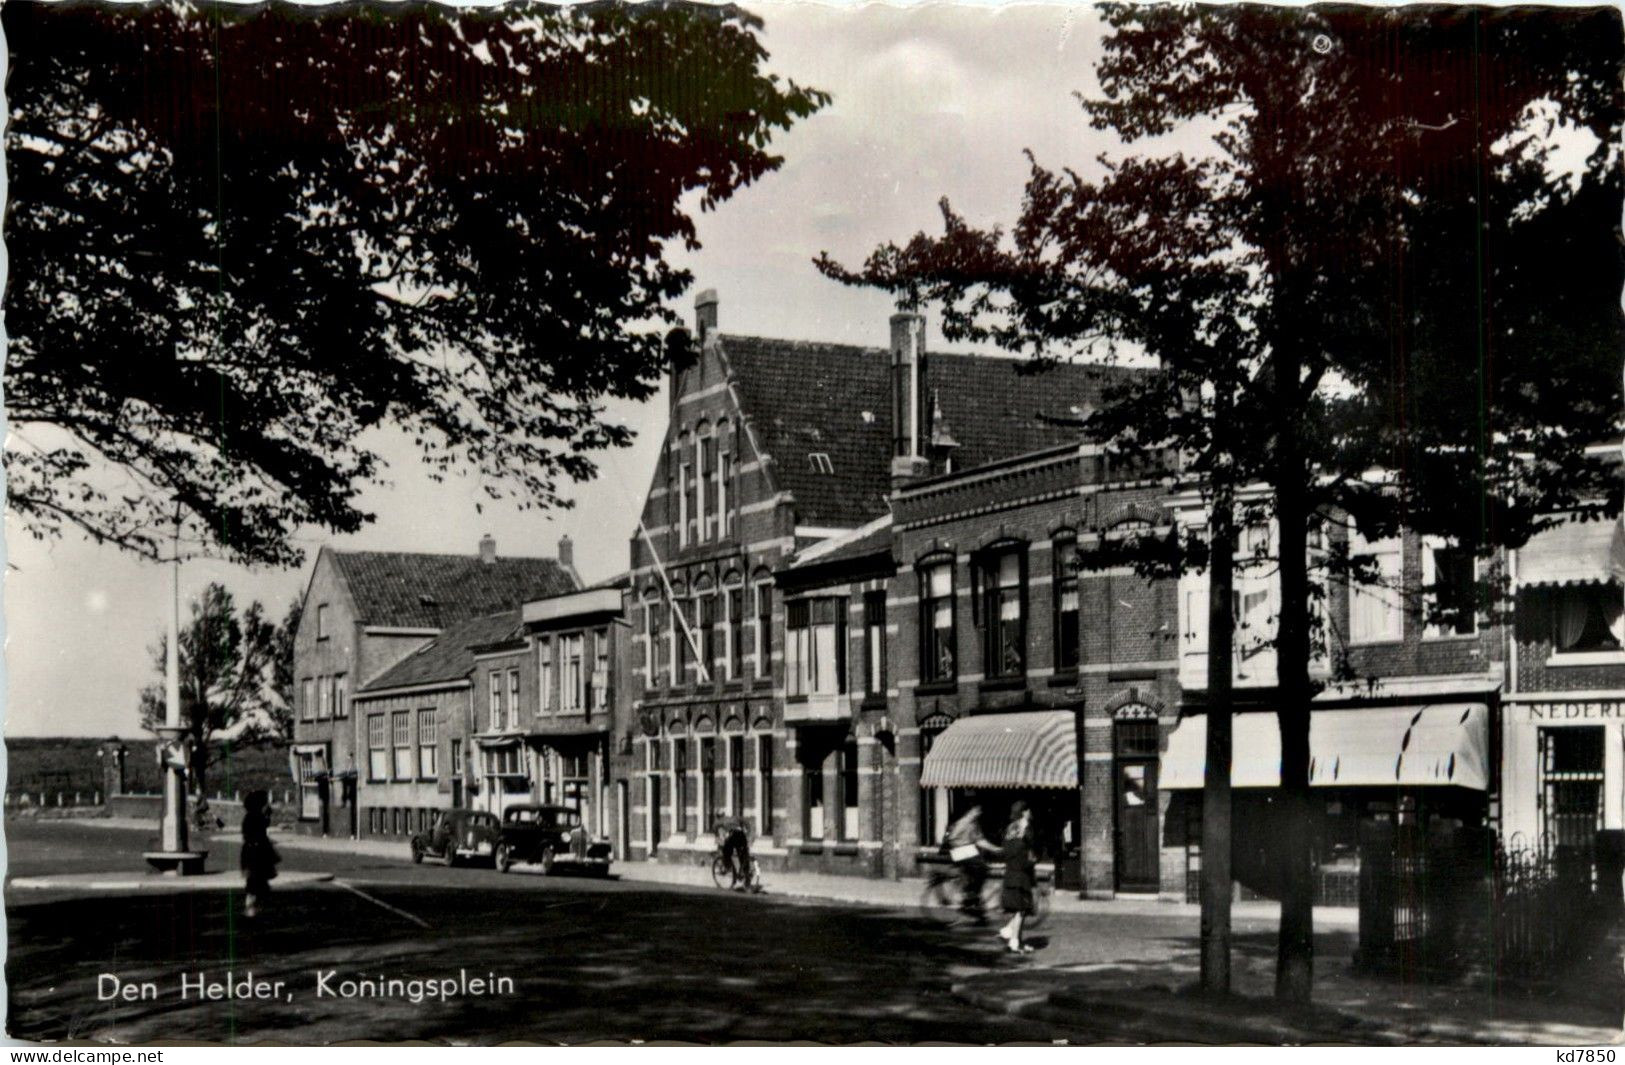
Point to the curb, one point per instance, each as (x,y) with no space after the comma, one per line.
(90,883)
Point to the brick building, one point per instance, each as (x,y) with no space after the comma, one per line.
(365,612)
(1024,672)
(1403,733)
(414,721)
(761,566)
(544,707)
(1563,724)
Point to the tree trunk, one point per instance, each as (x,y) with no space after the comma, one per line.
(1216,822)
(1294,972)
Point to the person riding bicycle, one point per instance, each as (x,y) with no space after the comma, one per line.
(733,834)
(966,845)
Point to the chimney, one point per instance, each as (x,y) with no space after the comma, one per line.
(567,552)
(488,549)
(908,398)
(705,315)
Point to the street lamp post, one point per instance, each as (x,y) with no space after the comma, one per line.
(176,857)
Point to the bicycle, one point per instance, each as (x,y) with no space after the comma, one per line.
(725,875)
(944,891)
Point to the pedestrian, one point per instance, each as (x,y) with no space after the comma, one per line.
(259,857)
(1019,871)
(966,843)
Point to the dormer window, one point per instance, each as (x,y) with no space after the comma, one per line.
(820,462)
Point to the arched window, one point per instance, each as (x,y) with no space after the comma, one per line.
(1065,585)
(938,647)
(685,519)
(733,621)
(1002,571)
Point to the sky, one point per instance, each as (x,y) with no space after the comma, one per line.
(928,102)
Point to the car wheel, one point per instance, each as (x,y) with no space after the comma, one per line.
(504,858)
(547,861)
(452,860)
(417,853)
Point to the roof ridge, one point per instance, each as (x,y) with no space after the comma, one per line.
(444,554)
(979,356)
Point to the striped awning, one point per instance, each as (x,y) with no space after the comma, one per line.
(1443,744)
(1576,552)
(1032,749)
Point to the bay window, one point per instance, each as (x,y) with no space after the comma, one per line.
(815,647)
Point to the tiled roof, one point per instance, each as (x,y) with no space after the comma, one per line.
(411,590)
(449,656)
(807,400)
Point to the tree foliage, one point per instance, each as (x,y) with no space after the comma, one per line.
(243,237)
(228,659)
(1375,254)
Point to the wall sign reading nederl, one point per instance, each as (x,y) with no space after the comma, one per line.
(1576,711)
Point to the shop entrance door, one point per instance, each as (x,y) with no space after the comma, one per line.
(1136,801)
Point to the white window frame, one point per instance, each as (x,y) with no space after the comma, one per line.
(498,721)
(598,680)
(513,698)
(1430,630)
(341,705)
(725,461)
(1365,599)
(1593,657)
(307,699)
(428,743)
(572,675)
(544,674)
(764,786)
(805,672)
(322,631)
(324,699)
(378,747)
(400,741)
(762,653)
(682,502)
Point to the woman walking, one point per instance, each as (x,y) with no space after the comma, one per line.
(1019,870)
(259,857)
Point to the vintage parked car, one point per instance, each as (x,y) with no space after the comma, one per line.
(458,835)
(549,836)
